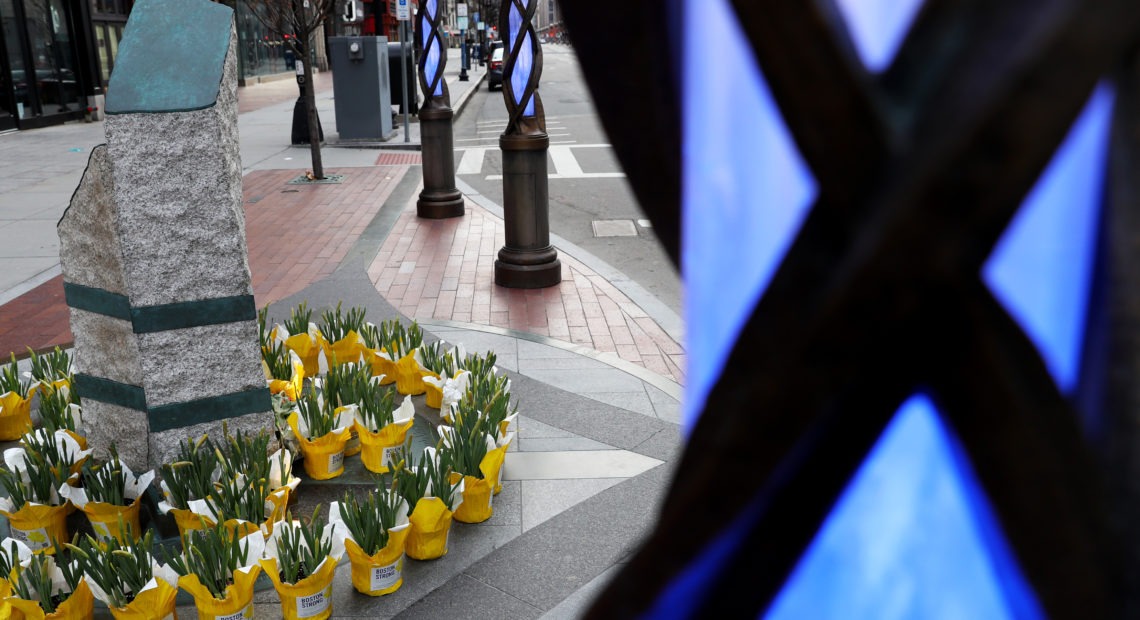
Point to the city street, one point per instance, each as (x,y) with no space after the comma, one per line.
(587,184)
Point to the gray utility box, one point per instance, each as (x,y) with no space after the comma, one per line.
(361,88)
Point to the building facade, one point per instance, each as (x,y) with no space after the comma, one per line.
(48,58)
(56,56)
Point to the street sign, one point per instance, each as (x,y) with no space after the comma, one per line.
(462,23)
(461,10)
(403,12)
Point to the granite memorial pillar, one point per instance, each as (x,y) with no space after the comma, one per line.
(153,246)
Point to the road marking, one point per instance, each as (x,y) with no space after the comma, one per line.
(472,162)
(564,162)
(504,123)
(584,175)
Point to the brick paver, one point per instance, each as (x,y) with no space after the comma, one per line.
(399,158)
(297,234)
(444,269)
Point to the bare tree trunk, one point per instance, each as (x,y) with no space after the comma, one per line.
(310,91)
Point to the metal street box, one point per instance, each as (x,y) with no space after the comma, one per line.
(361,87)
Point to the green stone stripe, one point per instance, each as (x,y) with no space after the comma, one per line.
(112,392)
(175,415)
(180,415)
(150,319)
(97,300)
(165,317)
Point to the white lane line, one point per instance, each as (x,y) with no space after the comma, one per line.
(584,175)
(564,162)
(472,162)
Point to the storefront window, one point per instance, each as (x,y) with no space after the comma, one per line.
(262,52)
(107,37)
(53,55)
(23,102)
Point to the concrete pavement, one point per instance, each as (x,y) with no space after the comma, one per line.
(594,362)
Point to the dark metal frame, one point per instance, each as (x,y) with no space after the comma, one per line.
(439,198)
(920,171)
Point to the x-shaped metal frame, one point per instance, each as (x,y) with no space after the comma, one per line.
(880,296)
(425,41)
(518,123)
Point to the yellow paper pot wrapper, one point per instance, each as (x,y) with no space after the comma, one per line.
(323,456)
(381,447)
(381,366)
(409,379)
(37,525)
(308,348)
(352,447)
(431,527)
(6,610)
(294,385)
(188,521)
(82,441)
(15,414)
(347,350)
(238,602)
(504,444)
(153,603)
(104,520)
(433,394)
(478,494)
(382,573)
(79,606)
(310,597)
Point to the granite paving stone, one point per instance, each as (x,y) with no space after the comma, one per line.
(576,464)
(531,428)
(630,401)
(559,444)
(577,604)
(556,558)
(589,380)
(534,350)
(543,499)
(465,597)
(665,406)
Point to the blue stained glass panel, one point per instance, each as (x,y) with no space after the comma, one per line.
(431,62)
(878,27)
(912,536)
(745,194)
(1041,269)
(525,62)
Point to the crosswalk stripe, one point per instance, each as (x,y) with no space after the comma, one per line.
(564,162)
(472,162)
(556,177)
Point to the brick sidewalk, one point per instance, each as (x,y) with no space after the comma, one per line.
(428,269)
(296,234)
(444,269)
